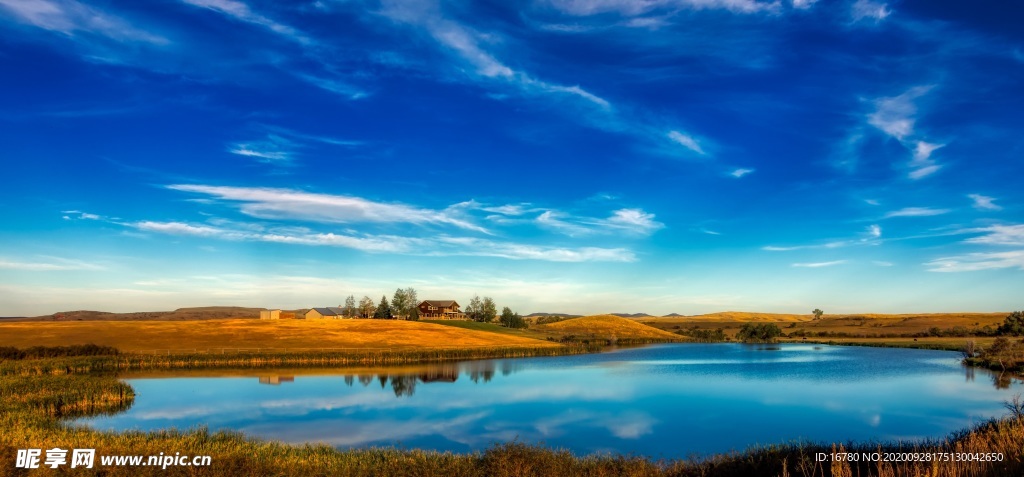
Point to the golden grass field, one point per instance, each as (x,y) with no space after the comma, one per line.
(143,336)
(860,323)
(607,326)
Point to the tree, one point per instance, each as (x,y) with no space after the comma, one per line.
(510,319)
(414,301)
(473,311)
(350,306)
(488,311)
(414,314)
(759,333)
(366,307)
(1014,324)
(383,310)
(817,313)
(400,303)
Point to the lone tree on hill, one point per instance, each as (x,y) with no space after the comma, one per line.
(817,313)
(1014,324)
(383,309)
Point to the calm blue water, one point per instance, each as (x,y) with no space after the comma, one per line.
(660,401)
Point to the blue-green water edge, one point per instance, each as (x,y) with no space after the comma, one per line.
(660,401)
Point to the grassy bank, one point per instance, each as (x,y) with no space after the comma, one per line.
(35,404)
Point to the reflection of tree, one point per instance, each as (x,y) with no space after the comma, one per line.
(404,385)
(970,374)
(349,379)
(480,369)
(365,379)
(1002,380)
(383,378)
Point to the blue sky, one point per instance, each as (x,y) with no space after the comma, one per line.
(662,156)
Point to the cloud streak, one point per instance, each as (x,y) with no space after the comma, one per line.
(288,204)
(819,264)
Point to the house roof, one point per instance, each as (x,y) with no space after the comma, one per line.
(337,309)
(440,303)
(330,311)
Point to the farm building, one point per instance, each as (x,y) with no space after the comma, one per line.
(328,312)
(441,309)
(270,314)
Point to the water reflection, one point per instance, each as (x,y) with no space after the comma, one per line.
(276,380)
(403,384)
(663,401)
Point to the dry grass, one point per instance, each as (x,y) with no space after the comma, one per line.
(607,327)
(866,324)
(135,336)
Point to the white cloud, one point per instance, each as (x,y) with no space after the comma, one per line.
(984,202)
(872,202)
(47,264)
(81,215)
(740,172)
(923,171)
(268,203)
(630,8)
(241,12)
(438,246)
(915,212)
(896,115)
(923,150)
(272,150)
(634,221)
(819,264)
(71,18)
(686,141)
(998,235)
(882,263)
(803,4)
(466,43)
(973,262)
(869,9)
(335,86)
(874,231)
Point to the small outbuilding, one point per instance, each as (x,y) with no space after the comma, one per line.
(270,314)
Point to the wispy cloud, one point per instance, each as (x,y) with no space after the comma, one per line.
(435,246)
(686,141)
(737,173)
(241,11)
(874,231)
(71,18)
(870,236)
(973,262)
(334,85)
(998,235)
(984,202)
(915,212)
(868,9)
(77,214)
(819,264)
(47,264)
(270,150)
(896,116)
(288,204)
(634,221)
(630,8)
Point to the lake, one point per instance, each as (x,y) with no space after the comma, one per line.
(672,400)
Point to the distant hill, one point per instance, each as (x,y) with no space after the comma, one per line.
(181,314)
(673,314)
(631,315)
(606,327)
(564,315)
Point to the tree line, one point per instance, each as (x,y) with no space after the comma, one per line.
(404,305)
